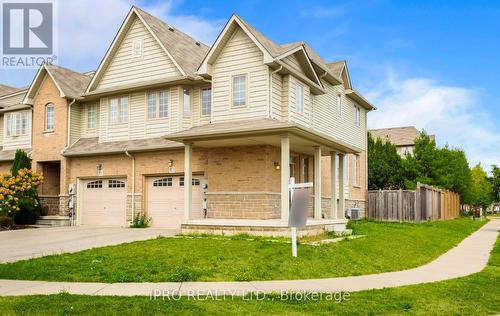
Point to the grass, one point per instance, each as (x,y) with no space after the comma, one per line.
(473,295)
(386,247)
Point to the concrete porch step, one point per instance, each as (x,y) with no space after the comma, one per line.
(53,221)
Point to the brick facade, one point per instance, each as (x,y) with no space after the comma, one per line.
(5,167)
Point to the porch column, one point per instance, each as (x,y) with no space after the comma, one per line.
(188,175)
(341,187)
(317,182)
(285,177)
(333,184)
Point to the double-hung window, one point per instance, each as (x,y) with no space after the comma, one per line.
(299,95)
(357,116)
(206,101)
(338,105)
(157,104)
(239,88)
(118,110)
(17,124)
(49,117)
(355,170)
(91,116)
(186,92)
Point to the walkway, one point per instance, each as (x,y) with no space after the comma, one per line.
(469,257)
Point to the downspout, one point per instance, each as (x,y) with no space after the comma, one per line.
(271,90)
(133,182)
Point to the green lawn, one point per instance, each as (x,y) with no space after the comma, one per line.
(473,295)
(386,247)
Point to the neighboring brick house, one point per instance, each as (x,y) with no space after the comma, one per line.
(164,110)
(402,137)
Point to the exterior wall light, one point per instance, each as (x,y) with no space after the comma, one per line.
(170,163)
(277,165)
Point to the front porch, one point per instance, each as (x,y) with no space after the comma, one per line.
(233,206)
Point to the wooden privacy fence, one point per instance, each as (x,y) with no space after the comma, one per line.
(424,203)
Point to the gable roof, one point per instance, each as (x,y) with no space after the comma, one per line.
(4,89)
(71,84)
(399,136)
(185,52)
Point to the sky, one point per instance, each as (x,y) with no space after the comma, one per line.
(430,64)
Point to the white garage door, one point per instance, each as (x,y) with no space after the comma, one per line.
(104,202)
(165,200)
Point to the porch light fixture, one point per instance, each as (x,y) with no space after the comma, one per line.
(170,163)
(100,169)
(277,165)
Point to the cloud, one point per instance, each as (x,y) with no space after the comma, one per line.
(87,27)
(319,12)
(452,113)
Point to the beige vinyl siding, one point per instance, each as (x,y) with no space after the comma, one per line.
(327,121)
(15,142)
(12,100)
(305,117)
(285,98)
(125,69)
(1,129)
(276,99)
(75,129)
(197,118)
(137,115)
(160,126)
(294,63)
(240,56)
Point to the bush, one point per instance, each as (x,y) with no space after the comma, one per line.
(140,221)
(18,194)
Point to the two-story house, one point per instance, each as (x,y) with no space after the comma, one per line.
(15,126)
(401,137)
(200,138)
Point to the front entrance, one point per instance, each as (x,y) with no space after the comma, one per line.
(50,188)
(165,200)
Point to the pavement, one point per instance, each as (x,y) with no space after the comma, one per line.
(24,244)
(468,257)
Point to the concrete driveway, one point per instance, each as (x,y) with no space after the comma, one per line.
(30,243)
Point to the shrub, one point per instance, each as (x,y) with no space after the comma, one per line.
(21,161)
(140,221)
(18,194)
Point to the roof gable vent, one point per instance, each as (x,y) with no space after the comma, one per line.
(171,28)
(198,43)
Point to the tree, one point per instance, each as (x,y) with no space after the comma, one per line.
(21,161)
(384,165)
(495,183)
(481,187)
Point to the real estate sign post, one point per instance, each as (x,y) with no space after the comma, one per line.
(300,195)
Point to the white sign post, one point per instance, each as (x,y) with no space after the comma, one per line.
(300,196)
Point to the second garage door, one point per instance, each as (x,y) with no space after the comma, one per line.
(165,200)
(103,202)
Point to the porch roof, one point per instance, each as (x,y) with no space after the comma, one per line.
(256,130)
(92,146)
(8,155)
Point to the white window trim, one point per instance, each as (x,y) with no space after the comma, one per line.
(134,43)
(47,129)
(90,106)
(357,116)
(13,132)
(338,104)
(184,114)
(157,104)
(246,91)
(201,101)
(356,171)
(118,110)
(297,86)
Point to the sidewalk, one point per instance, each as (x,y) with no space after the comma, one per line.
(469,257)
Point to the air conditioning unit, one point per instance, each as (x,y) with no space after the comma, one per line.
(353,214)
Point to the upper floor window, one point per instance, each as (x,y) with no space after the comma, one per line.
(355,170)
(49,117)
(357,116)
(239,88)
(137,48)
(91,116)
(299,95)
(338,105)
(206,101)
(118,110)
(157,104)
(17,124)
(186,102)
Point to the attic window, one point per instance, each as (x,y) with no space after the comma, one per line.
(137,48)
